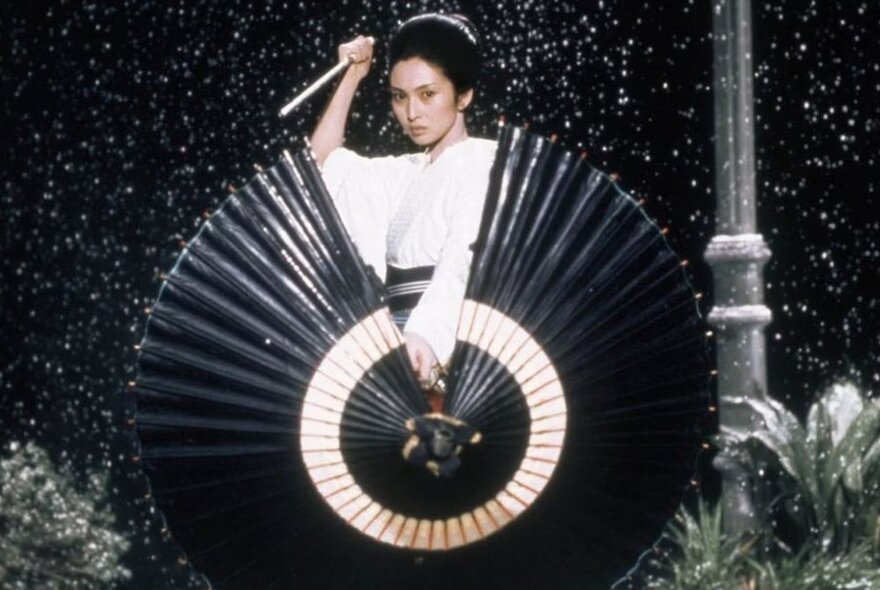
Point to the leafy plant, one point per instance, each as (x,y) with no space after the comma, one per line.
(701,557)
(830,467)
(55,534)
(857,569)
(828,481)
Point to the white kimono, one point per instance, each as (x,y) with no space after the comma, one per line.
(407,212)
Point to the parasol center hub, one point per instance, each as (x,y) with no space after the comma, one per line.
(442,443)
(436,441)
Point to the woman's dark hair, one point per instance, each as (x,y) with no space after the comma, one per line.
(448,41)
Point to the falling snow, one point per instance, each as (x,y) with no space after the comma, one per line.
(124,122)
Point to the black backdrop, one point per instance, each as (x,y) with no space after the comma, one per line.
(122,122)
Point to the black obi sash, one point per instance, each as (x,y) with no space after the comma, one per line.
(406,285)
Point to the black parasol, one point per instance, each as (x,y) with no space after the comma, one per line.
(275,405)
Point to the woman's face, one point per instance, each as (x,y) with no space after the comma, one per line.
(424,101)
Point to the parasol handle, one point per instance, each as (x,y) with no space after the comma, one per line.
(314,86)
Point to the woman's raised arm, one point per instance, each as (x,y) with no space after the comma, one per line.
(330,131)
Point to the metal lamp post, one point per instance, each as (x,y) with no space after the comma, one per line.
(737,253)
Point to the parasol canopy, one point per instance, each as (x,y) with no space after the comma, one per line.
(285,438)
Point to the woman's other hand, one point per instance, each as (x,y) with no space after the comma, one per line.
(360,52)
(329,134)
(420,354)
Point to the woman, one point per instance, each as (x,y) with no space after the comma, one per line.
(414,217)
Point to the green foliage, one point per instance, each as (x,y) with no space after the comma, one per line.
(55,535)
(702,557)
(830,467)
(829,488)
(857,569)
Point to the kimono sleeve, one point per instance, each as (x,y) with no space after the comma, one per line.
(436,316)
(365,191)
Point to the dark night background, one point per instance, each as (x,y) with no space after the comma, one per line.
(122,122)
